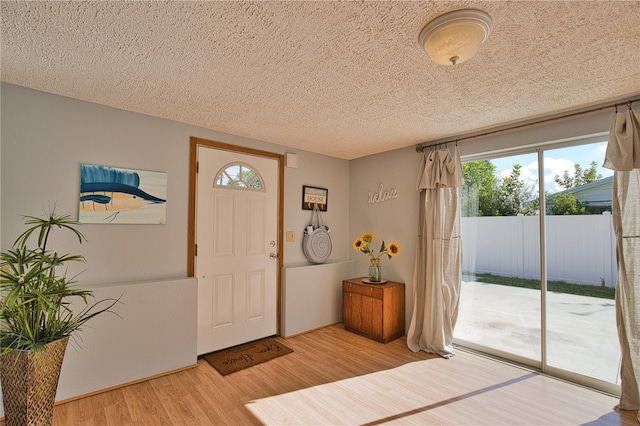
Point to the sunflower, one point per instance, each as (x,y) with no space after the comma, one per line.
(363,245)
(367,237)
(393,249)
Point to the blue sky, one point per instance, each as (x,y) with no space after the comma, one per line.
(556,161)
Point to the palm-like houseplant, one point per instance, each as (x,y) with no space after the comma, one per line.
(37,319)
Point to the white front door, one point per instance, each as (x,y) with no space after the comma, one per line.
(237,245)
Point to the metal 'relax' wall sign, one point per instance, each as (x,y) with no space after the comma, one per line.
(382,194)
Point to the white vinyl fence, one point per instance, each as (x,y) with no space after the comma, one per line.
(580,249)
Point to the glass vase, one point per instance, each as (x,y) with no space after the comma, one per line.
(375,271)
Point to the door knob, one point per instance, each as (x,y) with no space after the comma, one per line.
(273,255)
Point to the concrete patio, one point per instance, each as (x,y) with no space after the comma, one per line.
(582,335)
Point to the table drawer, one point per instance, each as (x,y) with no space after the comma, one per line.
(363,289)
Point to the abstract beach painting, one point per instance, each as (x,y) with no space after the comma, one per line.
(116,195)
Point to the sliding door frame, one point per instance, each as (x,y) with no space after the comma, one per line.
(542,365)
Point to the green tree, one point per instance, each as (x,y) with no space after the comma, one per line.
(514,196)
(479,189)
(485,194)
(566,204)
(580,177)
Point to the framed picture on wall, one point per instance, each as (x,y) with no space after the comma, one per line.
(117,195)
(312,195)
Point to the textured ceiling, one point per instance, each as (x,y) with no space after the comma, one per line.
(345,79)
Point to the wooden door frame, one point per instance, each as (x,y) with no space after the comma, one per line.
(195,143)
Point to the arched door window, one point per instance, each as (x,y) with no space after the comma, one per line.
(239,176)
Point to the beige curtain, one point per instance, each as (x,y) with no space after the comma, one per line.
(437,274)
(623,156)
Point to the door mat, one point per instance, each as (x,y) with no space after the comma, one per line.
(234,359)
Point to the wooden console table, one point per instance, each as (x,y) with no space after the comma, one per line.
(373,310)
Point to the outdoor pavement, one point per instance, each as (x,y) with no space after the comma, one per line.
(582,335)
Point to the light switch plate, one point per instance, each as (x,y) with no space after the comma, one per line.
(291,236)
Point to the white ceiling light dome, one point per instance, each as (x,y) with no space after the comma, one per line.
(456,36)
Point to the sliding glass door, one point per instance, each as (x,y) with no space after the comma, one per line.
(539,272)
(500,295)
(581,265)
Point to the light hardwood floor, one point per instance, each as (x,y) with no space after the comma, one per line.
(467,389)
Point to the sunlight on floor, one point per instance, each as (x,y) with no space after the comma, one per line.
(437,391)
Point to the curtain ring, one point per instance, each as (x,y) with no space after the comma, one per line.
(629,105)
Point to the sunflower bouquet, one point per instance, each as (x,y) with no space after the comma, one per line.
(363,244)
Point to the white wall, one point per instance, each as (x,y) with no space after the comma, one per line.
(45,138)
(312,296)
(325,172)
(391,220)
(154,332)
(563,130)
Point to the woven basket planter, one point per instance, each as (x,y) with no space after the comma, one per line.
(29,384)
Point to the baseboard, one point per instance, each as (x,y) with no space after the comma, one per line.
(310,331)
(124,385)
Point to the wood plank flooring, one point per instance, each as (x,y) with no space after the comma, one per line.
(467,389)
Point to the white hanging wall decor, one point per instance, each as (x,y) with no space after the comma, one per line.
(382,195)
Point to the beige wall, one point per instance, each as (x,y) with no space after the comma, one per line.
(392,220)
(46,137)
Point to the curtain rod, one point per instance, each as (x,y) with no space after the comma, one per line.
(422,147)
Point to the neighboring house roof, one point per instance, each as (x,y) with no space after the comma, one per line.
(598,193)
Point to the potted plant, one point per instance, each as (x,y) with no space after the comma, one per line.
(36,319)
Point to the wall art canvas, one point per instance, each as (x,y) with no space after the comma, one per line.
(116,195)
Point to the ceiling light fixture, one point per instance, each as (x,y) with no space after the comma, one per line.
(456,36)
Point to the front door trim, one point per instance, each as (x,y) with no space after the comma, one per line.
(191,237)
